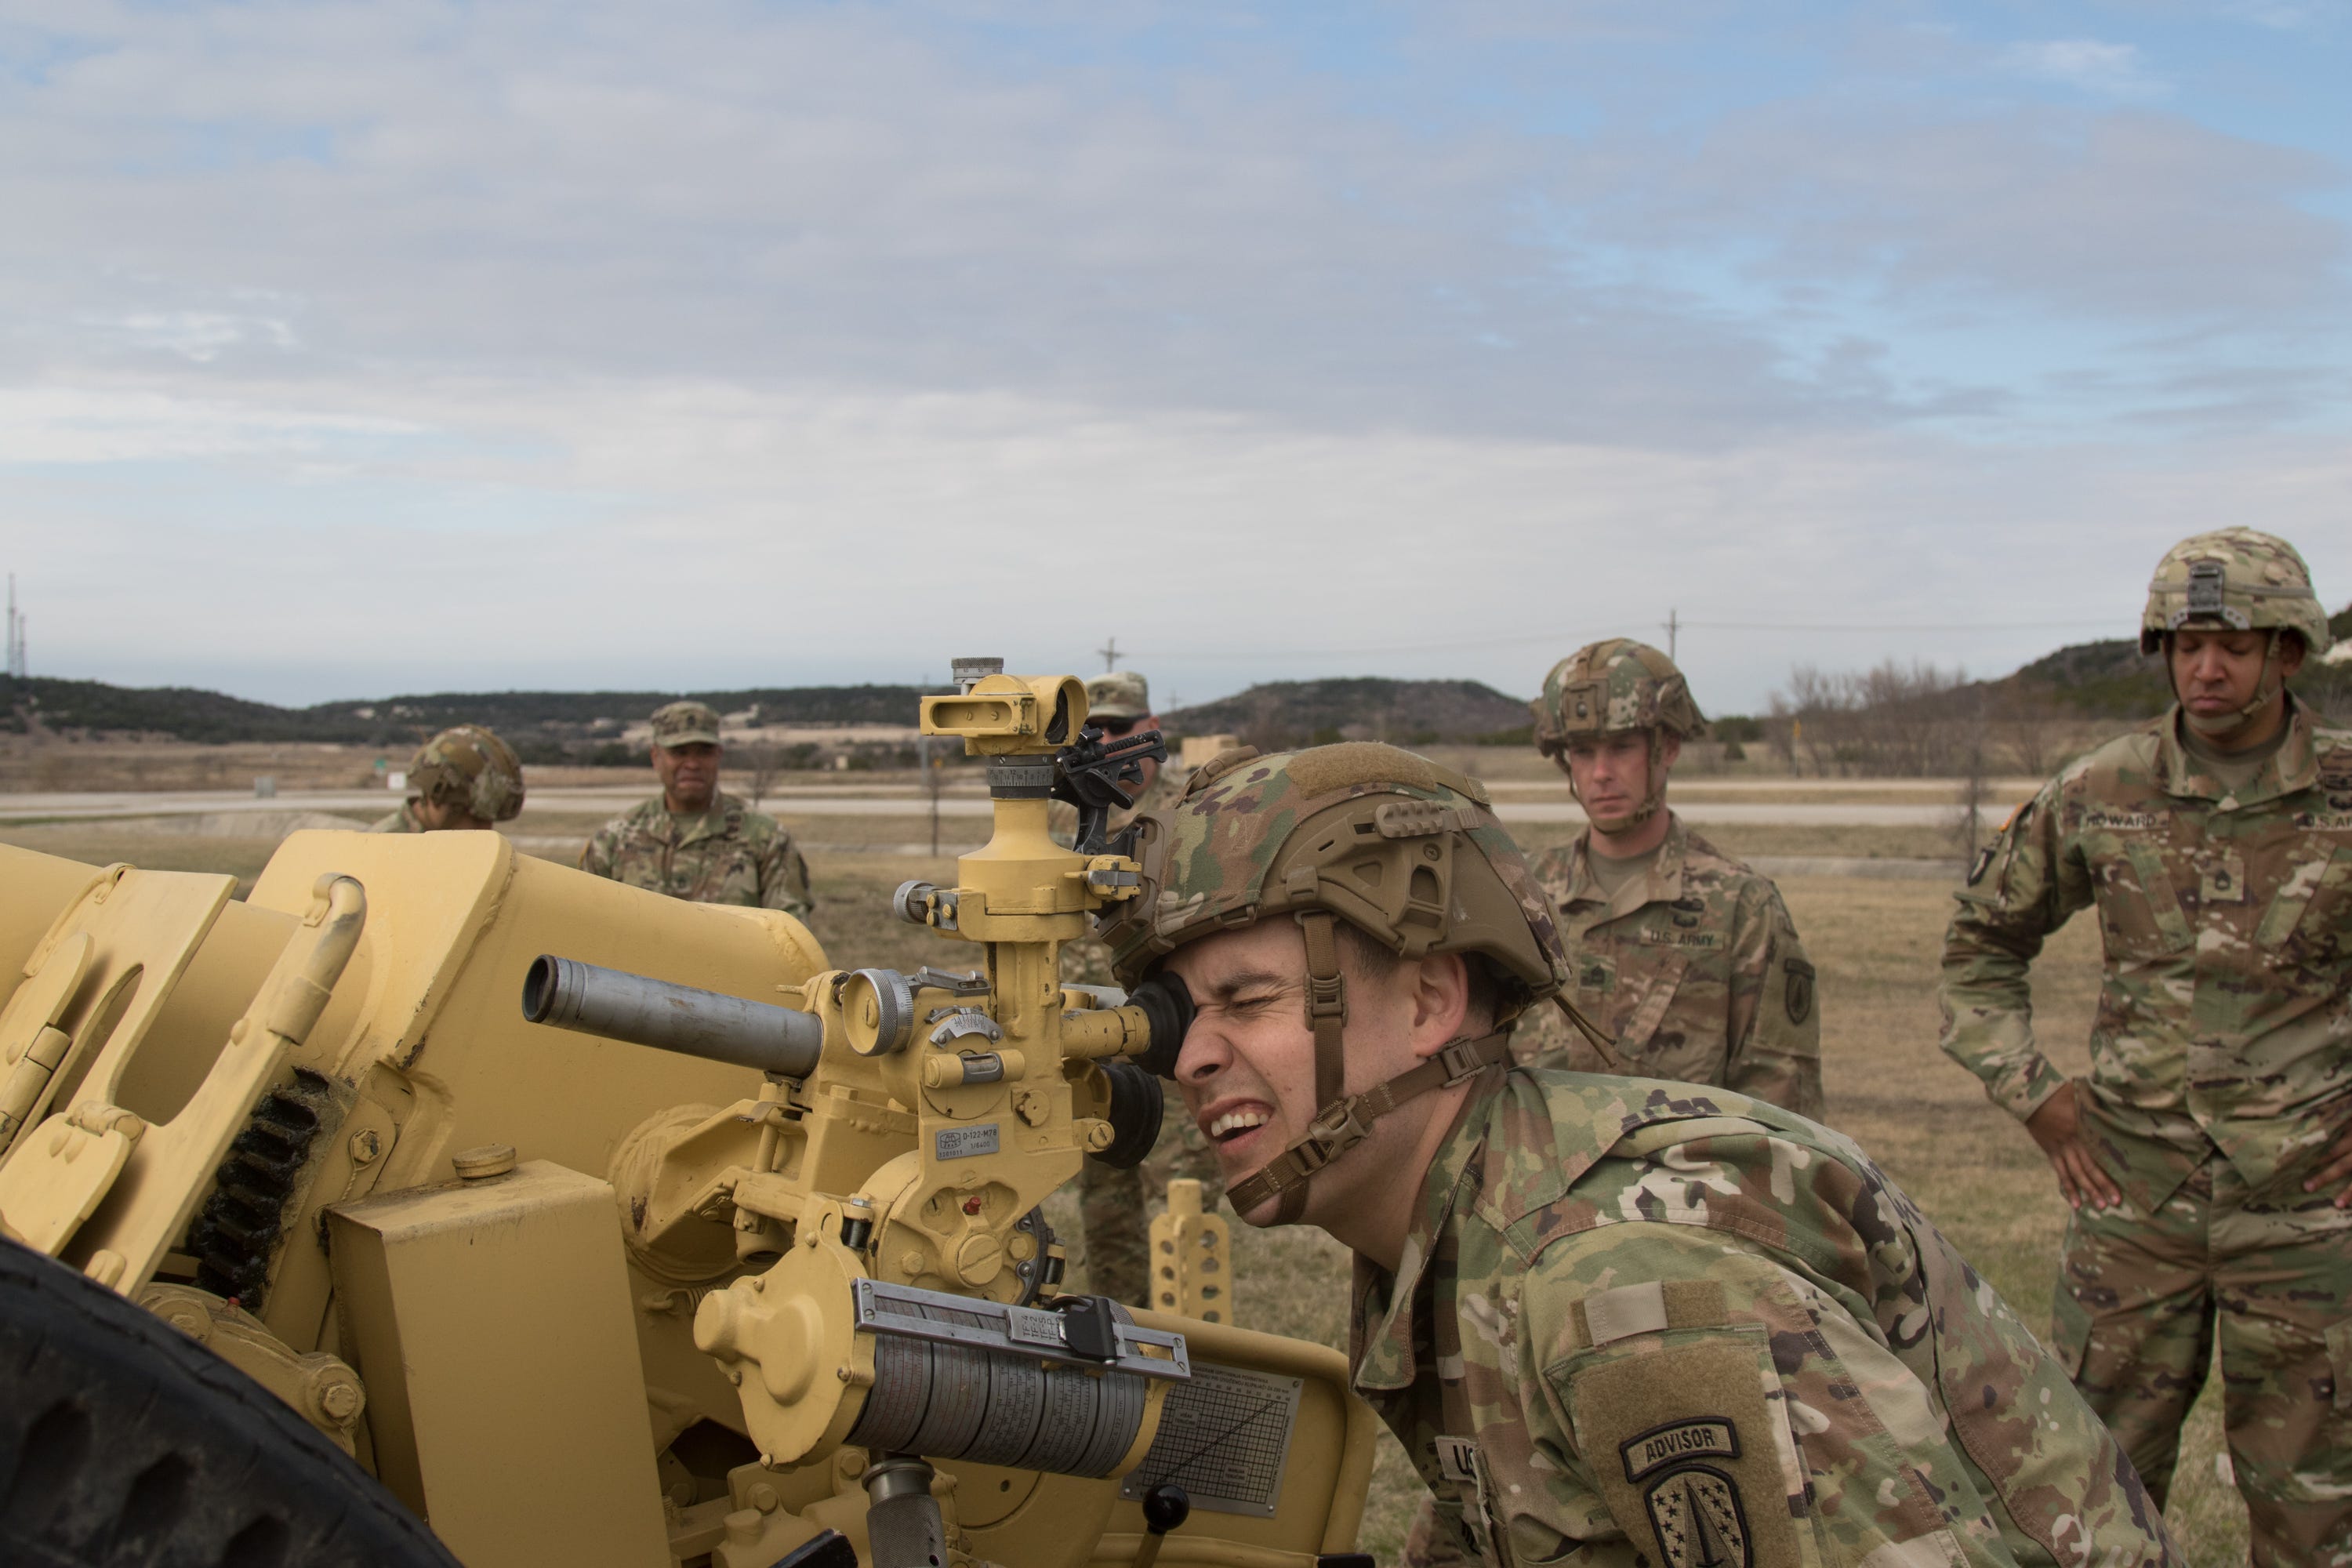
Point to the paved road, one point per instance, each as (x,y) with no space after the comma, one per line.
(847,801)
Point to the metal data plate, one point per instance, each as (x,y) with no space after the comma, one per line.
(884,1308)
(1225,1437)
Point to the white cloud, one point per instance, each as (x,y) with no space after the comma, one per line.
(2109,70)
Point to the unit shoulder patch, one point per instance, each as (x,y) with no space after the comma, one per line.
(1797,990)
(1697,1517)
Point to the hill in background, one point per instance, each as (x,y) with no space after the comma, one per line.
(543,726)
(2111,680)
(1282,713)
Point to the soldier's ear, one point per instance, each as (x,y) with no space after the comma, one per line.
(1670,749)
(1441,1000)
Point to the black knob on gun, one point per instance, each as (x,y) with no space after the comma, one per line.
(1165,1508)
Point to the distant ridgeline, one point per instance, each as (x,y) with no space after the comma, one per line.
(1284,714)
(550,724)
(2110,680)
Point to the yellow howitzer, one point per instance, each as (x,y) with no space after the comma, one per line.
(747,1267)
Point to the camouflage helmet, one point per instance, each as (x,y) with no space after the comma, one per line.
(1609,687)
(2237,579)
(1406,851)
(470,769)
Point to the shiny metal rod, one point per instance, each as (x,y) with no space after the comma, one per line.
(566,993)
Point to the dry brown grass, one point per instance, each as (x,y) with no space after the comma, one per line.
(1877,942)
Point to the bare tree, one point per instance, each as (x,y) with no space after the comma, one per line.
(763,762)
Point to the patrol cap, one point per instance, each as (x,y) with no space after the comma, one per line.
(1122,694)
(685,724)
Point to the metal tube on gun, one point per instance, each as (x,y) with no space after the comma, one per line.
(566,993)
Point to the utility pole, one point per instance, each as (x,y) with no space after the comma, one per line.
(1674,624)
(1109,652)
(15,633)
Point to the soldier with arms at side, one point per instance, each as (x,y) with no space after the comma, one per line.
(693,841)
(1613,1320)
(2208,1154)
(464,777)
(1685,957)
(1111,1204)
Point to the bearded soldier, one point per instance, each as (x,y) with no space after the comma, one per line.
(463,777)
(1612,1320)
(1677,949)
(1111,1201)
(694,840)
(2206,1156)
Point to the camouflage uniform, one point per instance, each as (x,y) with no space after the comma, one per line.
(2221,1067)
(1649,1322)
(1641,1323)
(728,854)
(1113,1206)
(1695,971)
(465,766)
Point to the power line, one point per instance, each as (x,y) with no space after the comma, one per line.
(1525,639)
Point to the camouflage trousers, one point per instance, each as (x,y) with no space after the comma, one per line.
(1112,1204)
(2142,1302)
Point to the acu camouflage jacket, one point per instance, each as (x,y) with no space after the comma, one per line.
(728,855)
(1636,1322)
(1695,971)
(2225,1014)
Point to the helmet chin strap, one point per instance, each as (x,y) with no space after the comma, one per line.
(2219,726)
(1346,1120)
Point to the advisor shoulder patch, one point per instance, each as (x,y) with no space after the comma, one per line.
(1676,1442)
(1680,1444)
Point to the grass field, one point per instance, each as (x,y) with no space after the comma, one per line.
(1876,943)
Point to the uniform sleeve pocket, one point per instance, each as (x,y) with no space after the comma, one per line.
(1684,1448)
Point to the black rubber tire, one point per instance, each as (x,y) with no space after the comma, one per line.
(124,1444)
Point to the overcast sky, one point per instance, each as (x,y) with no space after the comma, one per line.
(348,350)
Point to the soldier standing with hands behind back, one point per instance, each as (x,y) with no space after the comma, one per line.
(694,841)
(1684,956)
(2208,1154)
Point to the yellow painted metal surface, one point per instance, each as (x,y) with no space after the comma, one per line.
(491,1322)
(527,1341)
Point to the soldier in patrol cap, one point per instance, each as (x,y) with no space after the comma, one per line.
(693,840)
(2208,1154)
(1611,1319)
(1111,1204)
(463,777)
(1684,955)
